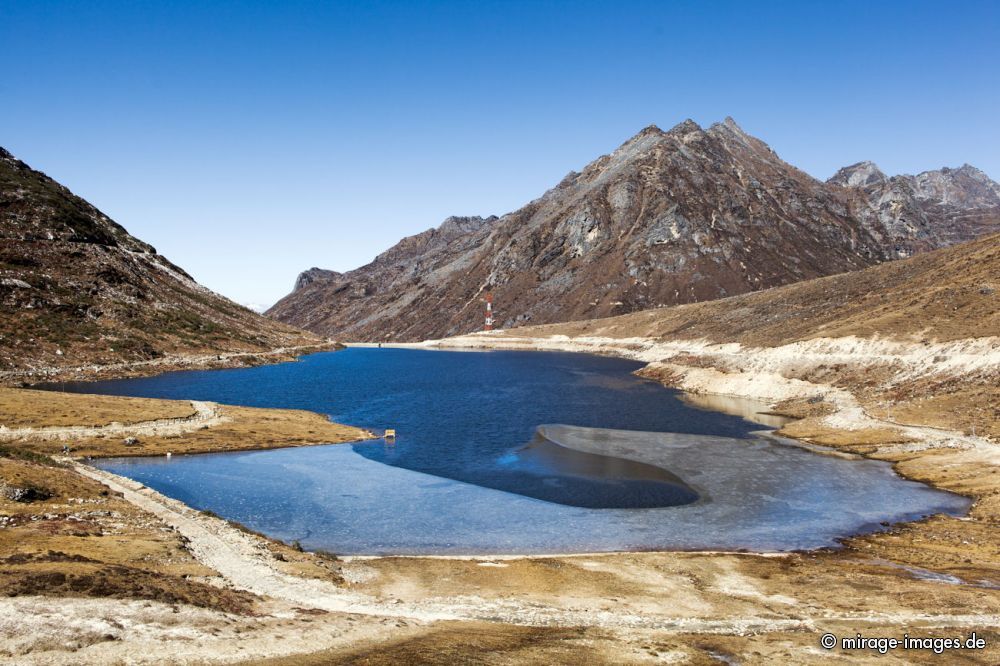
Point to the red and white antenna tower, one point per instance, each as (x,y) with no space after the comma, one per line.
(488,326)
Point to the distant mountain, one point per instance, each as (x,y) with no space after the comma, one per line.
(917,213)
(670,217)
(76,288)
(259,308)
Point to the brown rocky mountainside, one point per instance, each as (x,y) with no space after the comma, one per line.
(76,288)
(670,217)
(944,295)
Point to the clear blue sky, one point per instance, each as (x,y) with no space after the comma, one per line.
(249,141)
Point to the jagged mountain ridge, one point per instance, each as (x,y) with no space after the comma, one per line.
(670,217)
(930,210)
(77,289)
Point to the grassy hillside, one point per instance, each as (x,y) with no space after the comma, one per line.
(943,295)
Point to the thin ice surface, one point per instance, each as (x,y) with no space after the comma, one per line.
(757,494)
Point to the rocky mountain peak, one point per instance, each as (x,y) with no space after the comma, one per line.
(33,207)
(312,275)
(668,217)
(729,125)
(648,136)
(734,138)
(917,213)
(858,175)
(729,122)
(457,225)
(685,127)
(965,187)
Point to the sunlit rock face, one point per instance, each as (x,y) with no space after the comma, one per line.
(931,210)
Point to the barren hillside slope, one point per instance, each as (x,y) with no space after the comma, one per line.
(76,289)
(943,295)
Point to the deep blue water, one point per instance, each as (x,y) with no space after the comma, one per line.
(472,471)
(461,414)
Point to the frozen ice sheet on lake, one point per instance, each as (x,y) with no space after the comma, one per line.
(754,493)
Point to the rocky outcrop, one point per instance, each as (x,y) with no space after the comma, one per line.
(918,213)
(861,174)
(23,494)
(312,275)
(76,288)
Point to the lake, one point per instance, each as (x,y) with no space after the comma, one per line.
(515,452)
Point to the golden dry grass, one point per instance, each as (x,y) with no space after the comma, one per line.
(244,428)
(77,538)
(966,406)
(85,541)
(865,438)
(28,408)
(249,429)
(75,553)
(463,643)
(106,547)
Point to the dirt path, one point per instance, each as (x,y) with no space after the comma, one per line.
(243,559)
(207,414)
